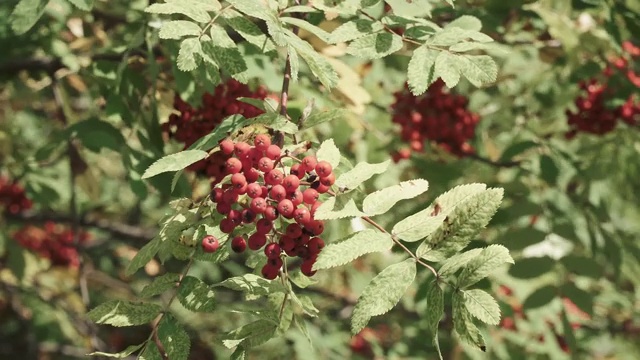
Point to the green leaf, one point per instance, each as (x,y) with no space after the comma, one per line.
(302,24)
(96,135)
(548,170)
(466,22)
(413,8)
(381,201)
(119,355)
(482,305)
(178,29)
(448,201)
(248,30)
(463,323)
(517,149)
(530,268)
(462,225)
(189,48)
(540,297)
(225,52)
(446,68)
(260,10)
(568,333)
(195,295)
(160,284)
(421,70)
(582,265)
(252,284)
(382,293)
(452,264)
(148,251)
(326,210)
(353,30)
(329,152)
(453,35)
(418,226)
(276,122)
(484,264)
(356,245)
(229,125)
(85,5)
(583,299)
(174,162)
(238,354)
(318,64)
(435,302)
(480,70)
(194,9)
(124,313)
(375,46)
(294,62)
(317,118)
(362,172)
(26,14)
(250,335)
(174,338)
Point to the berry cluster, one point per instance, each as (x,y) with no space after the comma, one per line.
(439,116)
(193,123)
(12,197)
(260,191)
(593,115)
(53,241)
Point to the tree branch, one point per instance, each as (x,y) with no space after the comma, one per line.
(499,164)
(117,229)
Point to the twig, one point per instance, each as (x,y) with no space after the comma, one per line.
(116,229)
(397,242)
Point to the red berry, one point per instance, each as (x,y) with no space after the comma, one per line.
(286,208)
(328,180)
(310,196)
(307,266)
(315,207)
(238,181)
(262,142)
(315,245)
(271,213)
(272,250)
(227,226)
(291,183)
(273,152)
(316,227)
(295,197)
(226,146)
(296,169)
(216,194)
(238,244)
(269,272)
(248,216)
(254,190)
(302,215)
(256,241)
(265,164)
(278,193)
(264,226)
(242,149)
(322,188)
(258,205)
(210,244)
(233,165)
(323,169)
(223,208)
(273,177)
(293,230)
(275,262)
(309,163)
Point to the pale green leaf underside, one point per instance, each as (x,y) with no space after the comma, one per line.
(326,210)
(454,263)
(383,293)
(381,201)
(362,172)
(329,152)
(360,243)
(179,28)
(420,73)
(484,264)
(124,313)
(463,323)
(375,46)
(26,14)
(482,305)
(190,8)
(174,162)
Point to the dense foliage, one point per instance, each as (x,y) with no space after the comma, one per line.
(321,179)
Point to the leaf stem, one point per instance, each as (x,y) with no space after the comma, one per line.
(397,242)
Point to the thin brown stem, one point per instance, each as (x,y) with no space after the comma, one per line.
(397,242)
